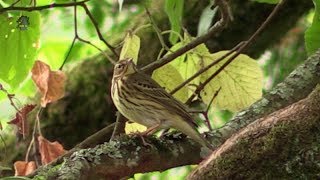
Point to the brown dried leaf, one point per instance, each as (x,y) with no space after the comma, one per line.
(23,168)
(50,83)
(49,150)
(21,119)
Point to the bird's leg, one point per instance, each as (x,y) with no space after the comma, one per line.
(147,132)
(144,141)
(151,130)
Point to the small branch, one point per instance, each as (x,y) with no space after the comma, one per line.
(40,8)
(77,37)
(14,3)
(207,68)
(95,24)
(103,52)
(157,30)
(69,52)
(10,97)
(205,113)
(245,45)
(218,26)
(119,126)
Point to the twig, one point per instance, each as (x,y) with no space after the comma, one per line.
(4,145)
(38,122)
(205,113)
(31,142)
(10,97)
(103,52)
(77,37)
(35,132)
(237,53)
(206,68)
(14,3)
(39,8)
(95,24)
(69,52)
(157,30)
(218,26)
(119,126)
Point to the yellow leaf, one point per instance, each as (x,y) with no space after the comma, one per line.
(134,127)
(131,47)
(182,68)
(240,82)
(169,77)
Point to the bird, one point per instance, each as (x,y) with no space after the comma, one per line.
(142,100)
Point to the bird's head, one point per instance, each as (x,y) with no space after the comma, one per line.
(124,67)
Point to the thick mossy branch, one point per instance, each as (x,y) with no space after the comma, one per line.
(127,155)
(283,145)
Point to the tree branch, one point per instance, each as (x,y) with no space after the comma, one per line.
(272,146)
(217,27)
(39,8)
(90,141)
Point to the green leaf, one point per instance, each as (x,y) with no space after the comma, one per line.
(268,1)
(174,10)
(27,88)
(131,47)
(21,3)
(312,35)
(240,82)
(43,2)
(120,2)
(54,56)
(186,66)
(206,19)
(169,77)
(18,48)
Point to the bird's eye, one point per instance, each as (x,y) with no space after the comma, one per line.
(119,66)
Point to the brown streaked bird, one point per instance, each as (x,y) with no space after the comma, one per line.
(142,100)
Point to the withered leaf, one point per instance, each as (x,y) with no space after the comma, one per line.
(49,151)
(50,83)
(21,119)
(23,168)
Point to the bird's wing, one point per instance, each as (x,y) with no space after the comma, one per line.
(154,91)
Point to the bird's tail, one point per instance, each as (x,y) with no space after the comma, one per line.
(192,132)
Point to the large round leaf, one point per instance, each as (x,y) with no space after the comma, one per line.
(240,82)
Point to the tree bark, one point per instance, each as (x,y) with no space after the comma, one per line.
(126,155)
(282,145)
